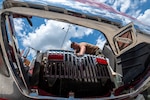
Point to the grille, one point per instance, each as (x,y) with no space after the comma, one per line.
(69,66)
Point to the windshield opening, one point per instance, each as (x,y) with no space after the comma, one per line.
(46,34)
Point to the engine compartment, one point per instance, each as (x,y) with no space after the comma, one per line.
(61,73)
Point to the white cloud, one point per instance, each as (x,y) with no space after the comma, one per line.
(100,42)
(145,18)
(46,2)
(125,4)
(19,24)
(131,10)
(59,1)
(101,1)
(52,36)
(45,36)
(120,5)
(143,1)
(135,13)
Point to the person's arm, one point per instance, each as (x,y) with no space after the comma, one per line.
(82,50)
(75,51)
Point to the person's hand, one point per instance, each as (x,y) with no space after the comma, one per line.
(75,53)
(79,55)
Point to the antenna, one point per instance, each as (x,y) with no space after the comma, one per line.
(65,35)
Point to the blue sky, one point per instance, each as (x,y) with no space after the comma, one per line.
(43,34)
